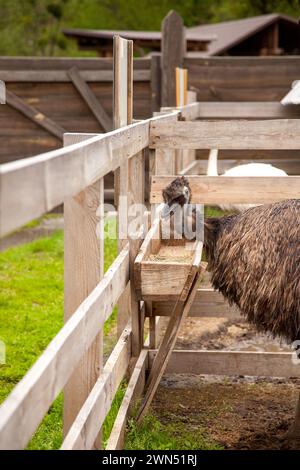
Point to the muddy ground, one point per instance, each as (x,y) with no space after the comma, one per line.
(236,412)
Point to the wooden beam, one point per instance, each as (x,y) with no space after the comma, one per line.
(291,167)
(164,352)
(26,406)
(207,303)
(63,63)
(173,46)
(247,110)
(264,364)
(34,115)
(122,116)
(83,270)
(33,186)
(269,134)
(191,169)
(62,76)
(155,82)
(188,112)
(228,189)
(90,418)
(90,99)
(133,392)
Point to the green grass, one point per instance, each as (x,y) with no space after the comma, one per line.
(31,313)
(153,435)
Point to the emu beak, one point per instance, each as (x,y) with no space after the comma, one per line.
(167,210)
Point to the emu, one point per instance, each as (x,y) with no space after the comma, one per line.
(254,260)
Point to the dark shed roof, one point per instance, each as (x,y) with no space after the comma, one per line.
(230,33)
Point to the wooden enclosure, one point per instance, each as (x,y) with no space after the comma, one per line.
(47,97)
(144,287)
(33,186)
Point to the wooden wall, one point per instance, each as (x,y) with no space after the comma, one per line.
(44,84)
(242,78)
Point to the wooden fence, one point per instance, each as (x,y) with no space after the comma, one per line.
(74,175)
(47,97)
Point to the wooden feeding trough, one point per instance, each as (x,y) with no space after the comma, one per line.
(162,266)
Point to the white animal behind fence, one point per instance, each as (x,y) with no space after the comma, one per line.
(2,92)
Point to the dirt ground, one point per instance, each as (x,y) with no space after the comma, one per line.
(236,412)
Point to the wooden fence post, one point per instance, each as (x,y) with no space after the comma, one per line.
(161,162)
(155,82)
(173,47)
(122,112)
(84,266)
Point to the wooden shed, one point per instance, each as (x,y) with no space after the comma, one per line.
(272,34)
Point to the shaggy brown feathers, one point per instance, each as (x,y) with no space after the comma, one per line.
(254,259)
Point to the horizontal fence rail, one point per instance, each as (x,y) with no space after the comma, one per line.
(43,182)
(258,364)
(87,424)
(246,110)
(242,135)
(24,409)
(243,190)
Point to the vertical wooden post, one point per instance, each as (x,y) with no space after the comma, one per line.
(155,82)
(122,112)
(161,162)
(136,195)
(173,48)
(84,257)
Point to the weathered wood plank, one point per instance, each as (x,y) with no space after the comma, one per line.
(247,110)
(173,47)
(34,115)
(65,63)
(188,112)
(136,195)
(207,303)
(26,406)
(164,352)
(250,61)
(33,186)
(155,82)
(90,418)
(122,116)
(243,190)
(291,167)
(62,76)
(270,134)
(265,364)
(83,269)
(91,100)
(133,392)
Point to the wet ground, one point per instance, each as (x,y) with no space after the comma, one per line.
(235,412)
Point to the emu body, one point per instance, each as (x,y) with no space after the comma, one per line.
(254,259)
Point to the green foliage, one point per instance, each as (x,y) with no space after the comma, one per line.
(34,27)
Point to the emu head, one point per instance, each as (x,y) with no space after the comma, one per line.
(176,194)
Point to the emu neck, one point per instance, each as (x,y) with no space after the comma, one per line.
(212,167)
